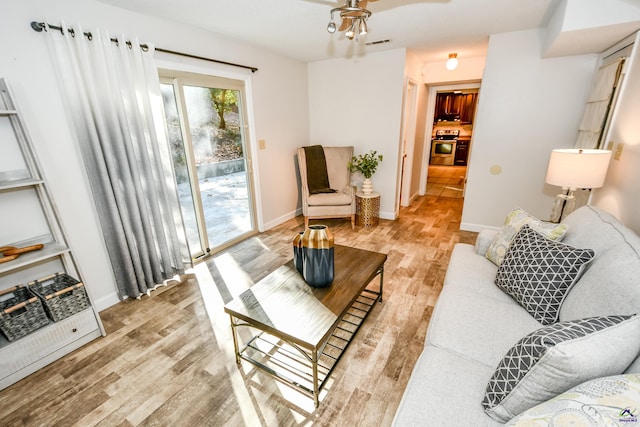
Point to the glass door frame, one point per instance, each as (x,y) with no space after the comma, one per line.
(179,79)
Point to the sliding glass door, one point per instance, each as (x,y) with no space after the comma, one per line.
(207,129)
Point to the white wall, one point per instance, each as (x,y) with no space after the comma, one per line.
(279,100)
(358,102)
(620,195)
(585,26)
(528,106)
(468,69)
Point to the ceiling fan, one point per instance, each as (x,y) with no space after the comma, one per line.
(353,15)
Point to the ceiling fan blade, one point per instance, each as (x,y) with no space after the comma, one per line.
(362,4)
(346,23)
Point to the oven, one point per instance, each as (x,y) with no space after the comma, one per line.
(443,147)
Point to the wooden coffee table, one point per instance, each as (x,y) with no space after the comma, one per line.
(298,333)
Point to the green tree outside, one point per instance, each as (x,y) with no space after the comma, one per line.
(223,101)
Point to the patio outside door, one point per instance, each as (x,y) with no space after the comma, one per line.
(206,124)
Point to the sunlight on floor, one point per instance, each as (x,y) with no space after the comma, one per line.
(232,273)
(249,384)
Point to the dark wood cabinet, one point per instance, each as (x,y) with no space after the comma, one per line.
(447,107)
(458,107)
(468,107)
(462,153)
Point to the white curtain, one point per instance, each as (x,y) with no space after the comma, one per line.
(112,94)
(597,108)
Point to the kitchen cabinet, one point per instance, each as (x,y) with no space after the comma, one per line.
(448,106)
(456,107)
(468,103)
(29,217)
(462,152)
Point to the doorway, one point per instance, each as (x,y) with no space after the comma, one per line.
(409,123)
(206,123)
(465,140)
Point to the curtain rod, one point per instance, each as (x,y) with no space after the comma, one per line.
(40,26)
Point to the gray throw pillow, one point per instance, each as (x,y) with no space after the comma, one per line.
(555,358)
(538,273)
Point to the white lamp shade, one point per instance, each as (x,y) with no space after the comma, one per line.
(578,168)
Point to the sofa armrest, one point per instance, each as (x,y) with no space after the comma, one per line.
(483,241)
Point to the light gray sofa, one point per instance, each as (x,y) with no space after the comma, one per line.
(475,323)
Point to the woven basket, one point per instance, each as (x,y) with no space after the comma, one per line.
(61,294)
(21,313)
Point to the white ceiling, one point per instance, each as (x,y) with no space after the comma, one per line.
(297,28)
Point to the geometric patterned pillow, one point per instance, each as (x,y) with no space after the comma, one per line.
(538,273)
(555,358)
(607,401)
(512,224)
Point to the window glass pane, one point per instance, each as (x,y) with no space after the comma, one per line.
(180,167)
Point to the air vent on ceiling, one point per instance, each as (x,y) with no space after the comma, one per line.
(378,42)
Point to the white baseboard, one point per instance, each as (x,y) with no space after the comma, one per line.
(465,226)
(388,215)
(281,219)
(106,301)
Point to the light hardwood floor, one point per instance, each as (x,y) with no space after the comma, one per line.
(168,359)
(446,181)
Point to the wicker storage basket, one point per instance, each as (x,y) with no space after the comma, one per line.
(21,312)
(61,294)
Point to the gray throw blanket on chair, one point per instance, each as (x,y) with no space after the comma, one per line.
(317,177)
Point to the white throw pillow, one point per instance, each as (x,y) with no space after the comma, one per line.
(512,224)
(607,401)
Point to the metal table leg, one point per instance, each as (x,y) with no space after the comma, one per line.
(381,271)
(235,340)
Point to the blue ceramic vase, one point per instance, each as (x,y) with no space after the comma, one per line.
(297,251)
(317,256)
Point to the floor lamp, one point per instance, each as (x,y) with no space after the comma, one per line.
(572,169)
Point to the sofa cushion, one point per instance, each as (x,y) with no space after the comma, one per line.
(603,401)
(538,273)
(443,391)
(610,283)
(557,357)
(472,316)
(512,224)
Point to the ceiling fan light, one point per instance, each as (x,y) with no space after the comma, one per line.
(452,62)
(363,27)
(351,32)
(354,16)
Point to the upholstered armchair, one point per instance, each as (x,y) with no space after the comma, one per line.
(338,204)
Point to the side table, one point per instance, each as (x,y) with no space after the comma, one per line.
(367,209)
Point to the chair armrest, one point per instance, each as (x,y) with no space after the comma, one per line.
(483,241)
(348,189)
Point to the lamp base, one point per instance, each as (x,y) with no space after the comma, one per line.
(564,204)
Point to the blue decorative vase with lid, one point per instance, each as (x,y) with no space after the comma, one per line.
(297,251)
(317,256)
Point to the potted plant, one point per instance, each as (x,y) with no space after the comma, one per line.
(366,164)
